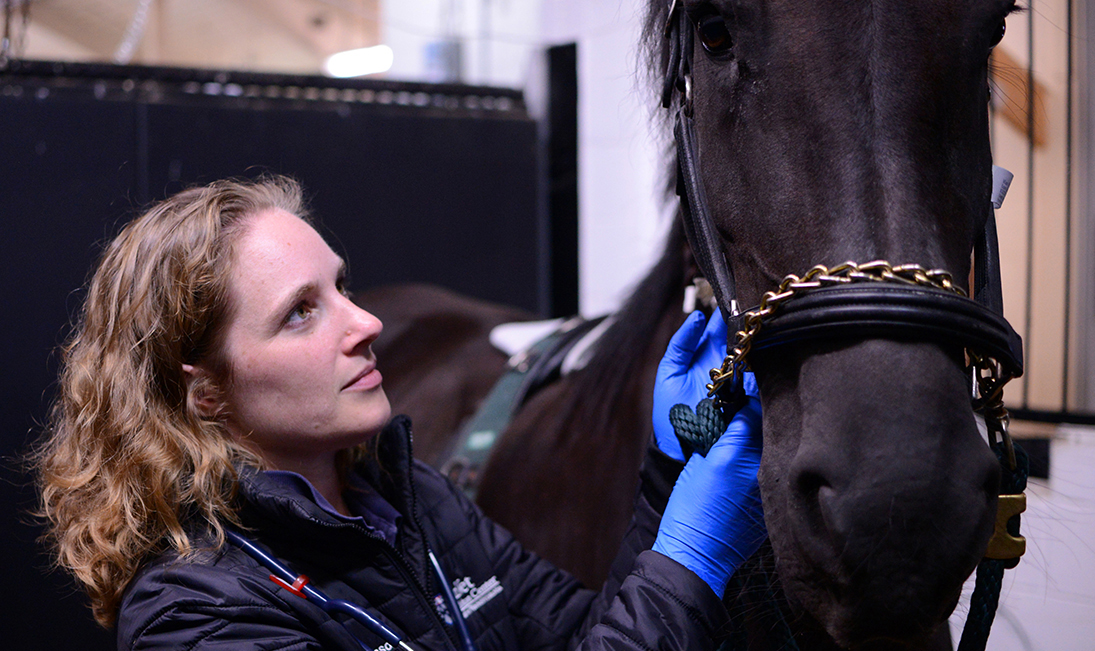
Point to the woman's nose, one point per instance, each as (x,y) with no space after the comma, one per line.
(361,326)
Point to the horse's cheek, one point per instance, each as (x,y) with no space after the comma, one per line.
(781,441)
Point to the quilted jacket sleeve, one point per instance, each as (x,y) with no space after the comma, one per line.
(661,605)
(648,602)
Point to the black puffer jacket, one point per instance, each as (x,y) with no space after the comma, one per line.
(225,600)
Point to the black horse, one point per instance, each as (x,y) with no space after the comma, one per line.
(828,131)
(855,130)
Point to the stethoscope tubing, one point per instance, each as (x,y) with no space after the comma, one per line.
(331,606)
(454,605)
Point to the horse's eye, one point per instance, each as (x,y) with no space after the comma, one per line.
(713,34)
(998,35)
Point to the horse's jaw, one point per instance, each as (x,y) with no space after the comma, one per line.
(879,493)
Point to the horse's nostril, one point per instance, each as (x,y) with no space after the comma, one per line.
(812,487)
(809,482)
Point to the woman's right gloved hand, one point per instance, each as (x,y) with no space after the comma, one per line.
(714,520)
(697,347)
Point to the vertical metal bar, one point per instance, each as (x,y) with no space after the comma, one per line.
(484,42)
(563,174)
(1030,198)
(1085,282)
(1068,206)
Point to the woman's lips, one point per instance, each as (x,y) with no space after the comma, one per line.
(366,381)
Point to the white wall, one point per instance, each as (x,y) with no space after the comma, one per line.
(498,37)
(620,229)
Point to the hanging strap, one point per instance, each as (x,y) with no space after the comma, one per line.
(700,229)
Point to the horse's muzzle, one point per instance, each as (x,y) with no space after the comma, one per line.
(879,491)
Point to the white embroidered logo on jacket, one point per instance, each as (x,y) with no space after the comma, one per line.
(471,597)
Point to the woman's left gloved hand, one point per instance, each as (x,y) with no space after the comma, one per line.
(684,372)
(714,520)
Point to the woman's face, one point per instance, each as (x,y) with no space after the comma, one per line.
(304,378)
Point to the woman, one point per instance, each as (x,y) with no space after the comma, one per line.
(220,382)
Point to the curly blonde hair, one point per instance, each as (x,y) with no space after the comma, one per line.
(130,467)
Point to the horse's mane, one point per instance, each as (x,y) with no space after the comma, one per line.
(619,356)
(653,50)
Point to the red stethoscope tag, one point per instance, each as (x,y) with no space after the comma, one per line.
(295,587)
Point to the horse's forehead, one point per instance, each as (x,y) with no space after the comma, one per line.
(825,12)
(928,40)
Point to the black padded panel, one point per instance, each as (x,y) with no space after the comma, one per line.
(435,198)
(416,186)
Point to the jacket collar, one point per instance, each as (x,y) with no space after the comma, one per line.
(270,506)
(390,465)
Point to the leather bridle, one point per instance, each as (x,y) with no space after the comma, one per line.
(851,300)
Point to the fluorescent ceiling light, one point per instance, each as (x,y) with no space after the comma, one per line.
(360,62)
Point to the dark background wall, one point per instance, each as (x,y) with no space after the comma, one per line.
(416,182)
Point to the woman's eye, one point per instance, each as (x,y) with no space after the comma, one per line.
(713,34)
(300,313)
(998,35)
(342,289)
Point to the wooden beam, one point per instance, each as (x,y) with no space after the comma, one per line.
(95,25)
(318,27)
(325,27)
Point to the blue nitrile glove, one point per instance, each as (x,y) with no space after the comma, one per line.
(685,372)
(714,521)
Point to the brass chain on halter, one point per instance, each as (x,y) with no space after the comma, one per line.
(989,375)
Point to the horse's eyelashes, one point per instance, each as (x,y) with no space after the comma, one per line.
(713,34)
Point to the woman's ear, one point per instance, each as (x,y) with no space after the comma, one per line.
(201,392)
